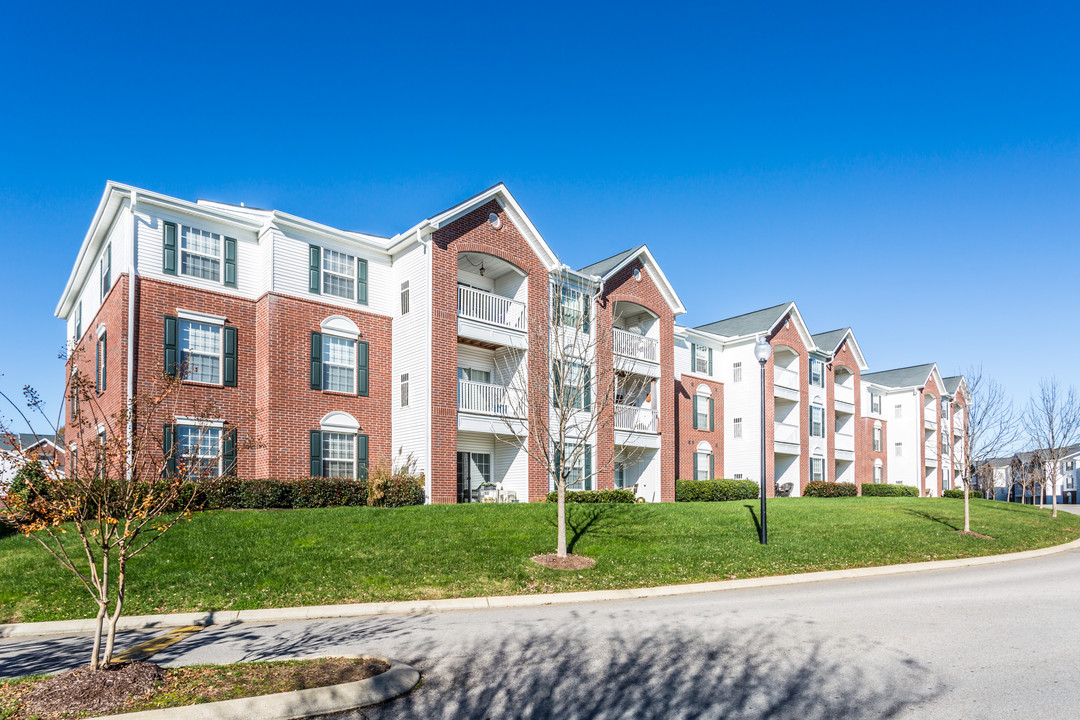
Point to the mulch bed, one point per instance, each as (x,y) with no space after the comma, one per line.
(570,562)
(972,533)
(141,686)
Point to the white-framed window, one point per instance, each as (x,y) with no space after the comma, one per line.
(573,385)
(474,375)
(875,403)
(878,470)
(736,372)
(944,407)
(198,447)
(702,411)
(572,308)
(701,359)
(339,364)
(577,479)
(703,459)
(945,479)
(339,274)
(405,390)
(898,449)
(105,270)
(817,421)
(338,455)
(817,469)
(201,351)
(405,298)
(200,254)
(736,428)
(898,411)
(877,439)
(817,373)
(620,476)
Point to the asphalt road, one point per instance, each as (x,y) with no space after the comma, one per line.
(997,641)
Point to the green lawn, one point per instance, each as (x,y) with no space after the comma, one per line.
(251,559)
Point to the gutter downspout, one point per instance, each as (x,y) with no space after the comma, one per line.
(426,244)
(131,345)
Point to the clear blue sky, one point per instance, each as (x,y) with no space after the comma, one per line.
(911,171)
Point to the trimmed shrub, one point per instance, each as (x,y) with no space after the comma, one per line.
(594,496)
(959,493)
(230,493)
(715,490)
(820,488)
(883,490)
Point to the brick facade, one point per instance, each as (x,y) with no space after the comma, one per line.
(787,334)
(686,437)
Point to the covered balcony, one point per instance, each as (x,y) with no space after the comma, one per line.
(491,385)
(637,417)
(930,454)
(844,392)
(491,301)
(786,429)
(636,339)
(930,412)
(785,373)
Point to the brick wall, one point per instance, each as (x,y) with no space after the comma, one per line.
(844,358)
(788,335)
(686,437)
(933,480)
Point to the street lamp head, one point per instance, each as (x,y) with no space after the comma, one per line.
(762,350)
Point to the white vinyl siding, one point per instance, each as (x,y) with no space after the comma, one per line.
(411,354)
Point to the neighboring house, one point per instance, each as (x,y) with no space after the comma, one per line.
(1009,482)
(41,447)
(926,417)
(335,348)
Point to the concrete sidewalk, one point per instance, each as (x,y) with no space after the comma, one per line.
(143,622)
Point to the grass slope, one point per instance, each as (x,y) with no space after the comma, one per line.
(251,559)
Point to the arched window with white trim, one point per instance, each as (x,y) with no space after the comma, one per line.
(704,464)
(703,408)
(338,448)
(817,467)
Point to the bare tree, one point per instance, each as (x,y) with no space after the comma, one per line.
(1052,422)
(990,428)
(123,488)
(585,395)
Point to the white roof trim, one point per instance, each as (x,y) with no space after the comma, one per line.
(860,359)
(800,326)
(666,289)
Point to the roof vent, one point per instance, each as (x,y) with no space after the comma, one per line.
(495,220)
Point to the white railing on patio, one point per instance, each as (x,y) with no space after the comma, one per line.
(786,378)
(636,419)
(845,442)
(786,433)
(489,399)
(930,414)
(635,346)
(845,394)
(491,308)
(931,451)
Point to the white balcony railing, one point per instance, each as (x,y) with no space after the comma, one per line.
(491,308)
(786,378)
(786,433)
(930,414)
(931,451)
(637,347)
(489,399)
(637,419)
(845,394)
(845,442)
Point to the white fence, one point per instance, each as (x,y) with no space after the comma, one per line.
(786,378)
(636,419)
(786,433)
(489,399)
(491,308)
(634,346)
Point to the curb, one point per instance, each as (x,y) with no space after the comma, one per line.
(139,622)
(396,681)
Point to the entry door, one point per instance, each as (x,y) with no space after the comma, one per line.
(473,470)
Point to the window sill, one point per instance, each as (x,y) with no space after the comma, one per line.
(196,383)
(342,394)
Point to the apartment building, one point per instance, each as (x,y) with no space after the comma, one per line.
(336,347)
(926,415)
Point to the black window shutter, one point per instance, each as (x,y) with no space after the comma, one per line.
(104,360)
(710,362)
(712,425)
(230,262)
(585,320)
(172,364)
(228,374)
(558,463)
(314,265)
(587,390)
(712,467)
(587,475)
(106,270)
(361,368)
(558,394)
(361,281)
(694,424)
(315,470)
(695,466)
(168,450)
(228,452)
(316,360)
(168,248)
(78,322)
(97,377)
(693,357)
(361,456)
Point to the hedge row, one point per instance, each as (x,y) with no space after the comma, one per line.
(820,488)
(883,490)
(231,493)
(959,493)
(715,490)
(594,496)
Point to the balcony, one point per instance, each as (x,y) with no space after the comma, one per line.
(786,383)
(930,419)
(503,408)
(930,455)
(957,427)
(844,399)
(492,319)
(637,426)
(845,442)
(786,438)
(636,353)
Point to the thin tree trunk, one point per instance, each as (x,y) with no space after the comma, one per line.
(1053,500)
(967,510)
(121,578)
(561,552)
(98,621)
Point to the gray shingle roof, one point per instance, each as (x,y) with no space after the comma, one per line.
(26,440)
(914,376)
(829,340)
(605,266)
(747,324)
(952,383)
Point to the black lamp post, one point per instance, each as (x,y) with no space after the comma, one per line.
(762,351)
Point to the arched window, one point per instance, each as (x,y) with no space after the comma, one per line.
(703,408)
(338,448)
(704,464)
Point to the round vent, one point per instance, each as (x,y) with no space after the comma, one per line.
(495,221)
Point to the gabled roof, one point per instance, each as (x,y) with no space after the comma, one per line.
(751,323)
(29,440)
(953,383)
(607,268)
(830,341)
(914,376)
